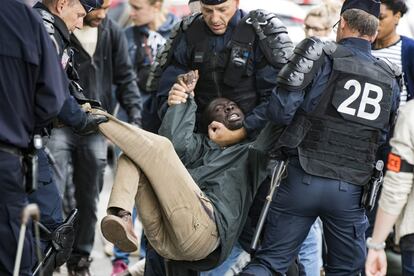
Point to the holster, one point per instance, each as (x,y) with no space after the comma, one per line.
(30,161)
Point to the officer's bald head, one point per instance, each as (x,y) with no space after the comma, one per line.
(71,12)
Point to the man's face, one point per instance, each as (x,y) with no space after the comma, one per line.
(314,26)
(217,17)
(387,22)
(72,13)
(95,17)
(142,13)
(226,112)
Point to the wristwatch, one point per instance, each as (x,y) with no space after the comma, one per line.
(375,246)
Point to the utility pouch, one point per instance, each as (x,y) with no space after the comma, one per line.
(30,161)
(238,64)
(31,165)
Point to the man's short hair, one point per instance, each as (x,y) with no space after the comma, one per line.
(361,21)
(50,2)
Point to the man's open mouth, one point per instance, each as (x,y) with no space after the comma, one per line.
(233,117)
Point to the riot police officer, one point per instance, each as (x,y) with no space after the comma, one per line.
(32,89)
(237,55)
(338,103)
(60,18)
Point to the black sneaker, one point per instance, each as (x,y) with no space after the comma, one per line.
(79,266)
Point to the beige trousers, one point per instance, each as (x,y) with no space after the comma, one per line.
(176,216)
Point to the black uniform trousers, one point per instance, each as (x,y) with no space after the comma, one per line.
(300,199)
(13,199)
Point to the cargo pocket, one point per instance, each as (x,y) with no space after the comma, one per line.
(359,242)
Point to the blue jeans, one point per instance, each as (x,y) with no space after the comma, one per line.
(87,154)
(231,261)
(310,254)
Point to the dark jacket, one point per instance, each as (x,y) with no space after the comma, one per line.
(32,85)
(229,176)
(109,65)
(284,104)
(287,107)
(407,52)
(70,114)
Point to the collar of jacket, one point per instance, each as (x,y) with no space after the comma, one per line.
(360,44)
(59,24)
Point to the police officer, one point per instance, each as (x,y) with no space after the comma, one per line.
(60,18)
(32,89)
(237,55)
(105,70)
(338,102)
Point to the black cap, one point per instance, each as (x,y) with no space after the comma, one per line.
(213,2)
(191,1)
(91,5)
(369,6)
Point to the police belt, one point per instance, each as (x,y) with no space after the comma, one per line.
(10,149)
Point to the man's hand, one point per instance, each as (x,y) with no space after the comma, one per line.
(177,94)
(182,88)
(376,263)
(189,79)
(224,137)
(91,124)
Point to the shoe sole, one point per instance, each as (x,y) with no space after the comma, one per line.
(113,230)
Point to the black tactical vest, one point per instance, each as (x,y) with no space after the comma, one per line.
(342,134)
(228,73)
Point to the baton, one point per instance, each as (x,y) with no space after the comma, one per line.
(30,211)
(277,173)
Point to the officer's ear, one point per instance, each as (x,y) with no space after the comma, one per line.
(342,23)
(60,5)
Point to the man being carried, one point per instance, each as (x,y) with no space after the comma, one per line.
(192,194)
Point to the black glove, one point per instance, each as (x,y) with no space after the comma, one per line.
(91,124)
(134,117)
